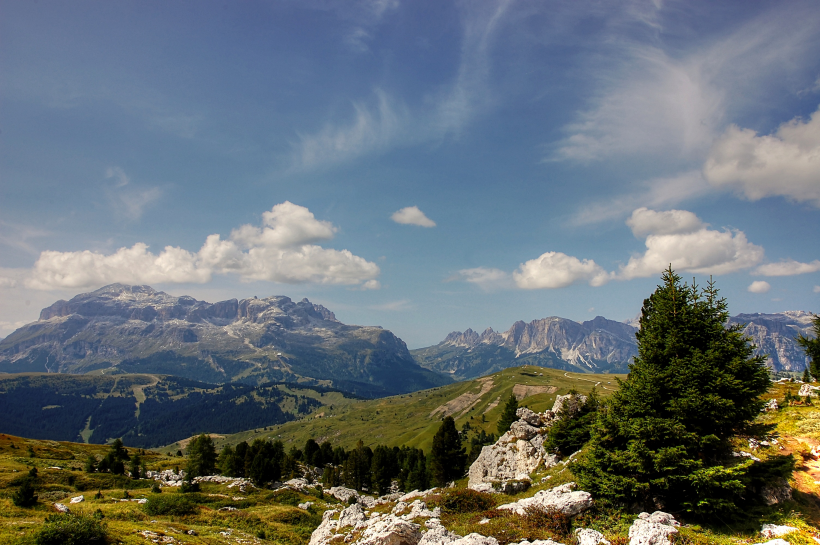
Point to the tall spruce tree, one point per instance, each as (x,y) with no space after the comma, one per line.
(447,457)
(664,438)
(201,457)
(812,347)
(508,415)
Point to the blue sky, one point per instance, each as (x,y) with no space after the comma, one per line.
(424,166)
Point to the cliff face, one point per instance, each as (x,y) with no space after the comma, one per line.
(597,345)
(139,329)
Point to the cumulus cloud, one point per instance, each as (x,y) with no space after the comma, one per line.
(785,163)
(557,270)
(411,215)
(759,286)
(281,250)
(788,267)
(6,282)
(680,238)
(644,222)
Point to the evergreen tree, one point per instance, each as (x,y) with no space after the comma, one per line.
(573,429)
(806,376)
(135,467)
(25,495)
(201,457)
(447,457)
(664,438)
(90,464)
(812,346)
(508,416)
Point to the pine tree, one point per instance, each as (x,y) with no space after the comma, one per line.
(806,376)
(201,457)
(508,416)
(25,495)
(812,346)
(447,457)
(663,441)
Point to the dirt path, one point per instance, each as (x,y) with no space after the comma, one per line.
(597,382)
(521,391)
(465,401)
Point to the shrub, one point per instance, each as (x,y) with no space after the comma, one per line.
(188,487)
(71,530)
(552,520)
(25,495)
(465,501)
(286,497)
(169,504)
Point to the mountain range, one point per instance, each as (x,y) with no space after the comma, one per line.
(136,329)
(599,345)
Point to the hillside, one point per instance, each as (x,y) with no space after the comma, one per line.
(136,329)
(413,419)
(144,410)
(594,346)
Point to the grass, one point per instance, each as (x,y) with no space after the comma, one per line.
(410,419)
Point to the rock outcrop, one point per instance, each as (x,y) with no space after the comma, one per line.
(561,498)
(502,467)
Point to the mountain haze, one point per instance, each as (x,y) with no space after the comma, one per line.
(136,329)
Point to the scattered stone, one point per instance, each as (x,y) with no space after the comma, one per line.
(343,494)
(586,536)
(61,508)
(391,530)
(77,499)
(227,508)
(561,498)
(305,505)
(777,541)
(191,533)
(771,406)
(653,529)
(773,530)
(438,535)
(352,516)
(298,484)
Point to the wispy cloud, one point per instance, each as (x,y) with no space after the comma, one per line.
(788,267)
(393,306)
(126,199)
(19,236)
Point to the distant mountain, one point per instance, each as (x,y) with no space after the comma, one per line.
(145,410)
(597,346)
(136,329)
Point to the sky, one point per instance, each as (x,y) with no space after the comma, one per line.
(425,166)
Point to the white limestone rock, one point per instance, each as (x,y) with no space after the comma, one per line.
(653,529)
(586,536)
(561,498)
(343,494)
(529,416)
(777,541)
(326,530)
(475,539)
(523,431)
(77,499)
(438,535)
(351,516)
(773,530)
(506,461)
(391,530)
(61,508)
(777,491)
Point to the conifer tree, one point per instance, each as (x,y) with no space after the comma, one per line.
(812,346)
(508,416)
(25,495)
(201,457)
(806,376)
(447,457)
(663,441)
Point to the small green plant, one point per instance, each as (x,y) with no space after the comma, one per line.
(188,487)
(98,495)
(465,501)
(169,504)
(25,495)
(552,520)
(156,489)
(71,530)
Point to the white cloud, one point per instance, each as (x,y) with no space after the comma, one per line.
(126,199)
(486,278)
(6,282)
(280,251)
(644,222)
(393,306)
(411,215)
(702,251)
(759,286)
(789,267)
(786,163)
(654,193)
(557,270)
(816,289)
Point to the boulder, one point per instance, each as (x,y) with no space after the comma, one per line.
(529,416)
(653,529)
(77,499)
(777,491)
(773,530)
(438,535)
(326,530)
(771,405)
(475,539)
(61,508)
(391,530)
(586,536)
(343,494)
(351,516)
(561,498)
(506,461)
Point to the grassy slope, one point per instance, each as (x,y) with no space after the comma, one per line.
(408,419)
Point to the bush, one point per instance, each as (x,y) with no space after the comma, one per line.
(188,487)
(286,497)
(25,495)
(169,504)
(71,530)
(552,520)
(465,501)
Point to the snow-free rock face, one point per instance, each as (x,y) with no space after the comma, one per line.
(520,451)
(562,498)
(586,536)
(653,529)
(141,330)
